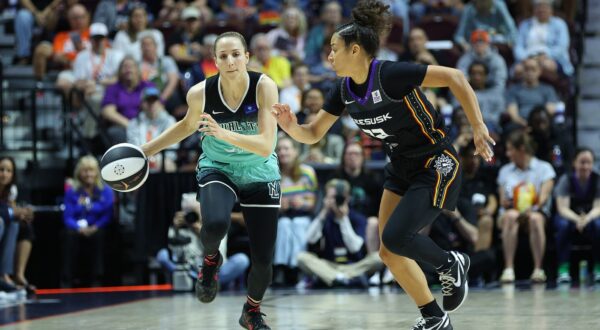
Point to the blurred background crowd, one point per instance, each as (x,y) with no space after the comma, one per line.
(121,70)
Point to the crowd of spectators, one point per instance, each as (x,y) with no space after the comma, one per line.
(135,61)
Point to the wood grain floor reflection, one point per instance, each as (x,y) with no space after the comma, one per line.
(504,308)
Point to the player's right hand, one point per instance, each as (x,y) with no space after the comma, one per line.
(284,115)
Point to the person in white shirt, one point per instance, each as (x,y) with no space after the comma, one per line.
(128,41)
(292,94)
(525,187)
(93,69)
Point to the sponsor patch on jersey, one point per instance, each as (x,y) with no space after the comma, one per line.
(250,109)
(376,96)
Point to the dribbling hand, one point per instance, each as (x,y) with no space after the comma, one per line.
(284,115)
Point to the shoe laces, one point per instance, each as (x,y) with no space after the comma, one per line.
(255,316)
(447,283)
(420,323)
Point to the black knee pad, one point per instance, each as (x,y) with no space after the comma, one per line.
(398,244)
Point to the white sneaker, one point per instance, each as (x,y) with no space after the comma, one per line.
(388,277)
(374,280)
(508,275)
(564,278)
(538,276)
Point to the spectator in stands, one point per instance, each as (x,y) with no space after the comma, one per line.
(554,143)
(15,223)
(292,94)
(288,40)
(93,69)
(187,224)
(341,258)
(490,97)
(417,48)
(421,8)
(206,68)
(122,100)
(66,44)
(150,123)
(478,189)
(40,13)
(525,188)
(88,210)
(299,188)
(491,16)
(365,191)
(331,17)
(240,14)
(326,151)
(321,72)
(312,101)
(170,11)
(276,67)
(115,13)
(544,37)
(129,39)
(578,204)
(482,51)
(524,96)
(185,44)
(160,70)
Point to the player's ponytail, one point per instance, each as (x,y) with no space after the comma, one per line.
(370,19)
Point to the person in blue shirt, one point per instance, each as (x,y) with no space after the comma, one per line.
(88,210)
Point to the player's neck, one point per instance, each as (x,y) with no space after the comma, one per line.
(361,73)
(234,87)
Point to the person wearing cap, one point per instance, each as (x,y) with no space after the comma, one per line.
(482,51)
(93,68)
(185,45)
(115,13)
(150,123)
(66,44)
(489,15)
(546,38)
(129,40)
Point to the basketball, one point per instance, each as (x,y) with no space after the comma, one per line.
(124,167)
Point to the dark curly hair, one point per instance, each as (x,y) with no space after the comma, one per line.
(5,191)
(370,19)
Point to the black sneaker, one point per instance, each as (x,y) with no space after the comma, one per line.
(454,282)
(433,323)
(252,318)
(207,284)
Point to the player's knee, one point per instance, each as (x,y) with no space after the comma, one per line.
(217,227)
(394,242)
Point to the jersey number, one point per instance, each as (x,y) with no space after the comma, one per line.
(377,133)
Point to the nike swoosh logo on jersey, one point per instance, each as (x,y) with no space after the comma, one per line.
(346,102)
(217,112)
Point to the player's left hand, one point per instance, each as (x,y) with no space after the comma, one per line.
(482,139)
(210,127)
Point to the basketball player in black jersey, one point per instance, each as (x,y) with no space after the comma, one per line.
(423,176)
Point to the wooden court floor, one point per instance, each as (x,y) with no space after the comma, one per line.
(378,308)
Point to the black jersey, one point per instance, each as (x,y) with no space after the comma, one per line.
(398,114)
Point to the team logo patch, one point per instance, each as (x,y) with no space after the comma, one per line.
(376,96)
(274,189)
(249,109)
(444,165)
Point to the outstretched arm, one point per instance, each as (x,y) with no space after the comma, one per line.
(309,133)
(439,76)
(183,128)
(262,143)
